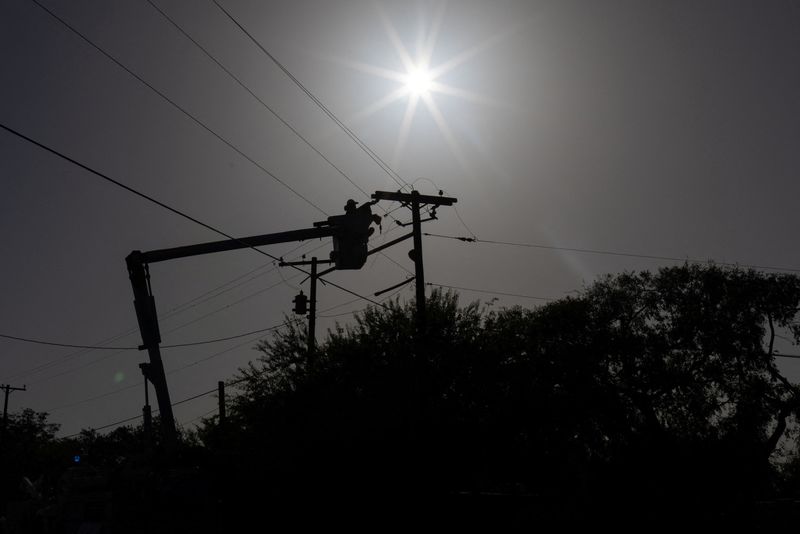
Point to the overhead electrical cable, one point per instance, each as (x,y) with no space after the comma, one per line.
(610,253)
(177,403)
(492,292)
(104,347)
(364,147)
(97,397)
(173,210)
(179,108)
(178,309)
(220,353)
(69,345)
(272,111)
(264,104)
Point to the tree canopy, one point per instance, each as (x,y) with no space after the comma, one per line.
(649,389)
(645,396)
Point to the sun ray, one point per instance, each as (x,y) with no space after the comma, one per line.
(405,128)
(471,52)
(420,79)
(422,29)
(443,88)
(440,121)
(402,53)
(378,105)
(366,68)
(426,53)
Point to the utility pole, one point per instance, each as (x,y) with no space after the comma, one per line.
(415,201)
(302,306)
(8,389)
(419,271)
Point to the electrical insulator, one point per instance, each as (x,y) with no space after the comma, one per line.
(300,304)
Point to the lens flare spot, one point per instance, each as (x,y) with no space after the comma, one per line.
(119,376)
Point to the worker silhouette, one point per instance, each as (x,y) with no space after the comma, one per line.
(350,246)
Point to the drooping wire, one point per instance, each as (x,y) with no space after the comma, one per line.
(610,253)
(68,345)
(363,146)
(491,292)
(173,210)
(180,108)
(109,425)
(264,104)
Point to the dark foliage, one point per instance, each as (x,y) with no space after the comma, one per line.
(654,394)
(649,399)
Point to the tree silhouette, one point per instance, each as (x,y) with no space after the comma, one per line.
(648,392)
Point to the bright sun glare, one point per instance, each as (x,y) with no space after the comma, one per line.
(419,81)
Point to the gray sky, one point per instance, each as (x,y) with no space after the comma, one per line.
(656,128)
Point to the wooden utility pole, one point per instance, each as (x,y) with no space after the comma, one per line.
(8,389)
(416,201)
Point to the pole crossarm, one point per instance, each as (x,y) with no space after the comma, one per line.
(304,262)
(407,197)
(415,201)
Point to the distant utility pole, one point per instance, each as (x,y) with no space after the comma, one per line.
(415,201)
(308,305)
(8,389)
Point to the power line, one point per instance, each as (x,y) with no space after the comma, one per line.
(54,344)
(220,339)
(175,311)
(225,307)
(492,292)
(71,369)
(216,354)
(96,397)
(178,309)
(179,108)
(101,347)
(193,397)
(610,253)
(171,313)
(173,210)
(363,146)
(190,421)
(264,104)
(137,384)
(115,423)
(115,182)
(455,208)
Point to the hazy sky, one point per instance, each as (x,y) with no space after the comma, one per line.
(655,128)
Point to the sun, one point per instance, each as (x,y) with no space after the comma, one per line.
(419,81)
